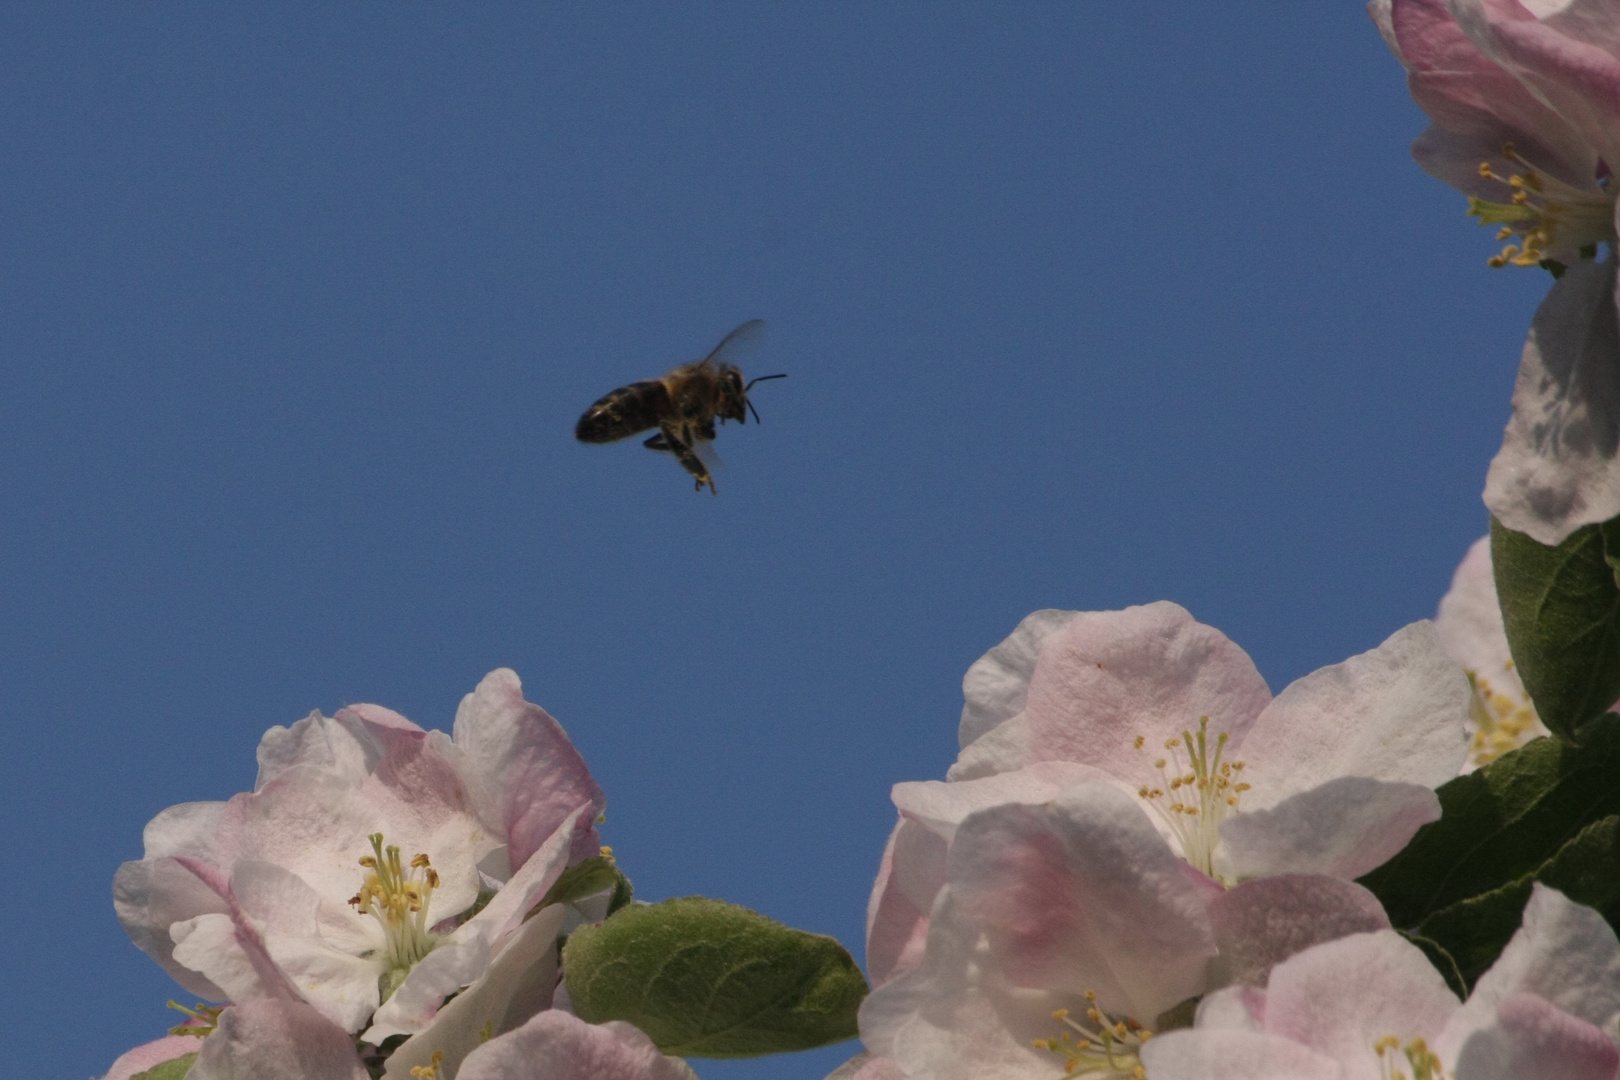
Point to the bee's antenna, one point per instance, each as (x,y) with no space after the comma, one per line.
(750,386)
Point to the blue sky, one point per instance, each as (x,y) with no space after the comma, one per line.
(1082,306)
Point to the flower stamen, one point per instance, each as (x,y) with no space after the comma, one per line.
(398,899)
(1424,1063)
(1102,1046)
(1194,796)
(1541,210)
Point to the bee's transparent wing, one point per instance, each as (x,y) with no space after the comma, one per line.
(704,449)
(738,344)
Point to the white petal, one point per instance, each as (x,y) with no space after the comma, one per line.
(346,749)
(1396,713)
(276,1040)
(1233,1055)
(995,686)
(150,896)
(229,956)
(941,806)
(557,1045)
(186,829)
(518,985)
(1259,924)
(1559,466)
(1343,828)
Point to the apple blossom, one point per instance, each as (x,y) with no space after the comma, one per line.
(1470,626)
(1372,1006)
(1522,103)
(375,869)
(1066,885)
(1333,776)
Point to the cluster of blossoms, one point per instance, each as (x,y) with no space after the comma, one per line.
(375,905)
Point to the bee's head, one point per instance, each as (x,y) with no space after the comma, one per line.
(733,397)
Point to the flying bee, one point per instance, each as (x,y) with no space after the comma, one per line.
(682,405)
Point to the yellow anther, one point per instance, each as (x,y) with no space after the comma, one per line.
(431,1070)
(420,861)
(1139,741)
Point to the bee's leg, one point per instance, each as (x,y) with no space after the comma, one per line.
(707,430)
(689,460)
(658,442)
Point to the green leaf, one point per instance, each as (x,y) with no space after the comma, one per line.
(173,1069)
(1546,812)
(594,875)
(708,979)
(1561,607)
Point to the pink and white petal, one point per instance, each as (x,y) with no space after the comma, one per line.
(1108,677)
(1342,828)
(1261,923)
(1559,465)
(1225,1054)
(1580,80)
(287,915)
(465,956)
(1341,997)
(910,876)
(150,1055)
(152,895)
(225,951)
(1083,894)
(187,829)
(1007,747)
(1477,106)
(1470,623)
(1564,952)
(276,1040)
(996,685)
(320,742)
(867,1066)
(519,984)
(525,762)
(1397,713)
(941,806)
(1242,1008)
(558,1046)
(1534,1040)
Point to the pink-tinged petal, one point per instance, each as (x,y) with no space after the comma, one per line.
(345,747)
(995,687)
(909,877)
(1233,1055)
(524,762)
(1477,106)
(276,1040)
(1083,894)
(227,952)
(1379,12)
(1559,465)
(1109,676)
(1564,952)
(1242,1008)
(1340,998)
(152,895)
(152,1054)
(941,806)
(1397,713)
(287,916)
(557,1046)
(1259,924)
(188,829)
(519,984)
(867,1066)
(1342,828)
(467,954)
(1534,1040)
(1578,79)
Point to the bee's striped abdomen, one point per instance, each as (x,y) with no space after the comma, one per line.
(625,411)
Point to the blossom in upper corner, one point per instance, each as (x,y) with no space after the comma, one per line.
(1371,1005)
(1470,627)
(375,869)
(1524,104)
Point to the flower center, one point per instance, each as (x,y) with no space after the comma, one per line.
(1542,211)
(1101,1047)
(1425,1065)
(1502,721)
(200,1021)
(1194,795)
(398,899)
